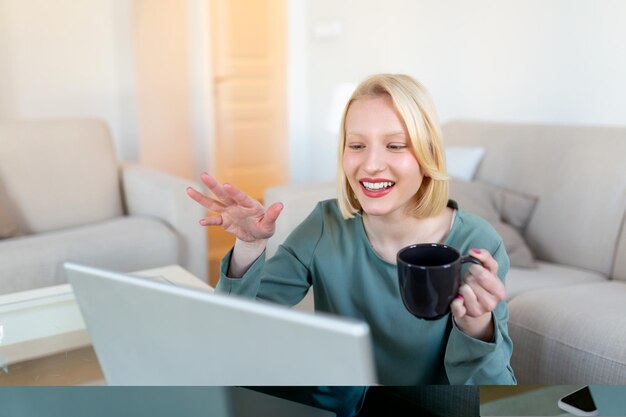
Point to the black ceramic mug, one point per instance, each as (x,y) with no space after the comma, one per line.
(429,275)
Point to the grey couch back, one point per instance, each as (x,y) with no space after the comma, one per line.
(59,173)
(578,174)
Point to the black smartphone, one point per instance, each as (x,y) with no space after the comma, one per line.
(579,403)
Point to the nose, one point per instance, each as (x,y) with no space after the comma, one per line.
(374,161)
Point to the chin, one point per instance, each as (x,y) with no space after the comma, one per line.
(375,211)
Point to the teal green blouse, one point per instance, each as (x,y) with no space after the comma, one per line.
(349,279)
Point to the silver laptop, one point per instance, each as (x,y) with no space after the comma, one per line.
(153,333)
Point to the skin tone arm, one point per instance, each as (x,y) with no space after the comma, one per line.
(240,215)
(478,297)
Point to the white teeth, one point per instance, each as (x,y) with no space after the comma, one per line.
(373,186)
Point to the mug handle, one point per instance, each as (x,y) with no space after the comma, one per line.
(471,259)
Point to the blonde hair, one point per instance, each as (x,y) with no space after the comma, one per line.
(417,111)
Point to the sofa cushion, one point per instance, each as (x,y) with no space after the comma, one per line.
(507,211)
(122,244)
(59,174)
(580,187)
(547,275)
(579,343)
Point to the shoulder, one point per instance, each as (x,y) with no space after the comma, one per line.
(325,215)
(328,215)
(322,225)
(472,230)
(469,225)
(330,208)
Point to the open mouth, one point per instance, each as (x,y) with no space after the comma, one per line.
(377,186)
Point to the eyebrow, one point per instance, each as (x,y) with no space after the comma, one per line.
(386,135)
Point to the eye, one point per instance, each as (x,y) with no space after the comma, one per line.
(355,146)
(397,146)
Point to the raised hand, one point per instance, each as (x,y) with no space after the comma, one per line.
(236,212)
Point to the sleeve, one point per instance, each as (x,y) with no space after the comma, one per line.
(472,361)
(284,278)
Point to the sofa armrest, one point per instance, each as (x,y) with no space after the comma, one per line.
(151,193)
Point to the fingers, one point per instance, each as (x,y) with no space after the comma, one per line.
(238,213)
(227,194)
(271,214)
(458,307)
(478,297)
(470,301)
(240,197)
(483,278)
(212,221)
(205,201)
(214,186)
(477,300)
(481,292)
(485,259)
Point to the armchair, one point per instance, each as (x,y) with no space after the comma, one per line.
(64,196)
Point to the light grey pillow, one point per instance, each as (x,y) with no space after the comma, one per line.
(462,161)
(507,211)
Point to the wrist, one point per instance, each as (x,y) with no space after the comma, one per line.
(255,246)
(481,327)
(243,256)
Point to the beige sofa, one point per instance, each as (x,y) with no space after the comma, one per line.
(64,196)
(567,317)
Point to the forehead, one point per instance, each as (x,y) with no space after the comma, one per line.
(373,112)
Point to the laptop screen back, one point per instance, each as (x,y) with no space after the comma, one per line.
(150,333)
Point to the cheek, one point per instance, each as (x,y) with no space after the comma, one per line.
(408,164)
(349,164)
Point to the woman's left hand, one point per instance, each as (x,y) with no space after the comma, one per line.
(478,297)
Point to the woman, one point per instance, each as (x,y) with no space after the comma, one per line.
(392,192)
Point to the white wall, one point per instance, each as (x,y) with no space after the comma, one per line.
(125,61)
(551,61)
(67,58)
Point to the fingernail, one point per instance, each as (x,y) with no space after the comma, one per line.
(203,222)
(476,251)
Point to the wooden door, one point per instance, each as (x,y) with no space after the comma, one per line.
(250,148)
(250,94)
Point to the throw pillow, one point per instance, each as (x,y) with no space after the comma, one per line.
(507,211)
(462,161)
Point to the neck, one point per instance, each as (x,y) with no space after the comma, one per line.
(388,235)
(407,229)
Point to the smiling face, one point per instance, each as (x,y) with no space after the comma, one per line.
(378,159)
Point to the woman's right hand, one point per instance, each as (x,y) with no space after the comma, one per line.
(237,213)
